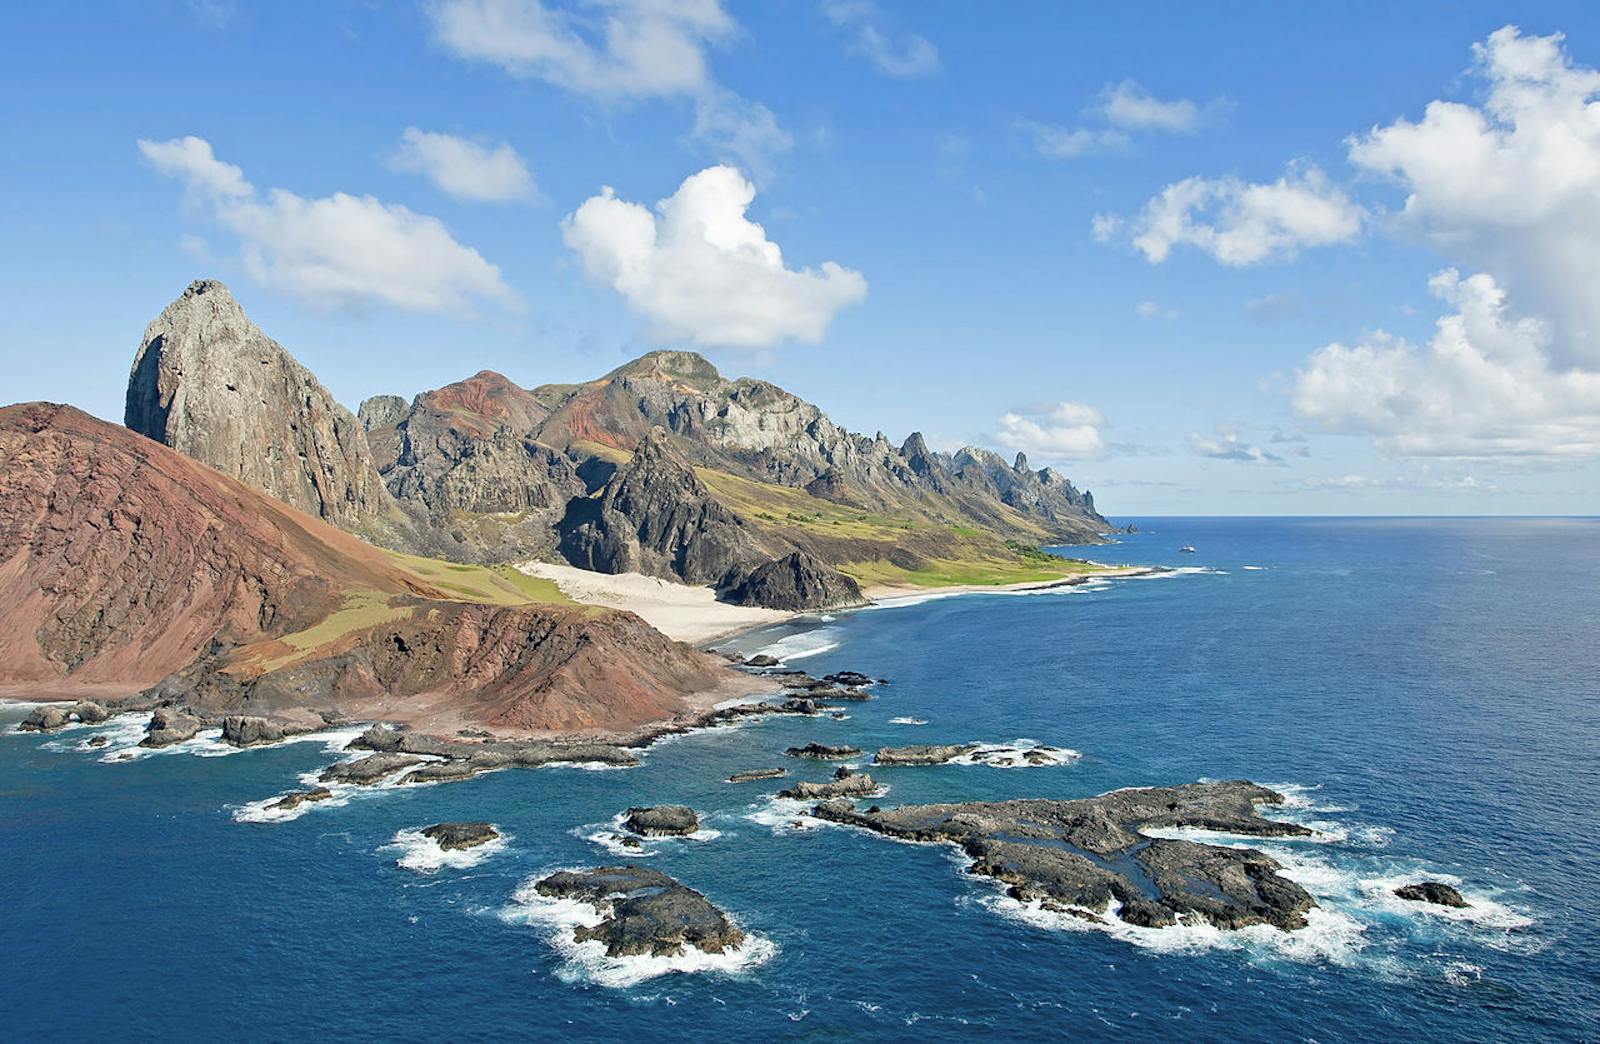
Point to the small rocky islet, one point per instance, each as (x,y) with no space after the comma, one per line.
(643,912)
(661,821)
(453,837)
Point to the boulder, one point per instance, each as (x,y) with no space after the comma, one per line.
(454,836)
(296,798)
(662,821)
(89,712)
(45,719)
(243,730)
(169,725)
(1435,892)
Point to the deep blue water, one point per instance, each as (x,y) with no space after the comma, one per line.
(1429,689)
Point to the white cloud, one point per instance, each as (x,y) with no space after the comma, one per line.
(615,51)
(1227,445)
(734,128)
(635,49)
(1071,142)
(205,177)
(465,169)
(700,269)
(1512,186)
(1154,310)
(1245,223)
(1353,483)
(908,57)
(1130,106)
(1483,386)
(337,251)
(1058,431)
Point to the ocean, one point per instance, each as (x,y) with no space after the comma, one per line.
(1426,691)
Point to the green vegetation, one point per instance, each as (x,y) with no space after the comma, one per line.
(359,611)
(974,572)
(785,506)
(493,585)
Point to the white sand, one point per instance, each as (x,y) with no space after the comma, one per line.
(681,612)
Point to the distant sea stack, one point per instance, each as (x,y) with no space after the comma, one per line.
(212,386)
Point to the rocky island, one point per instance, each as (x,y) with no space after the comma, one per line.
(643,912)
(1092,857)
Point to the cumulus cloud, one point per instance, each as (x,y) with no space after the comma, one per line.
(1130,106)
(699,269)
(1054,431)
(1511,186)
(334,252)
(615,51)
(465,169)
(1243,223)
(1483,386)
(1227,445)
(904,56)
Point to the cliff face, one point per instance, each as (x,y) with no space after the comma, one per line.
(655,516)
(211,385)
(121,560)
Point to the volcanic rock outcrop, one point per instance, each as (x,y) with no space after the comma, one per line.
(1081,857)
(654,516)
(796,582)
(643,912)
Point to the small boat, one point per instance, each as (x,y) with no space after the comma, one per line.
(1187,549)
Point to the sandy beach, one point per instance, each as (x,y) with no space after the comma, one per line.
(693,614)
(679,611)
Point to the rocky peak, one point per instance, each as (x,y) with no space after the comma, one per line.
(484,401)
(381,411)
(1020,466)
(798,581)
(655,516)
(672,364)
(208,383)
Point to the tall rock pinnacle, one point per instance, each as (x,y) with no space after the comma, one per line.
(211,385)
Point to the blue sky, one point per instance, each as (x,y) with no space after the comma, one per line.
(1122,239)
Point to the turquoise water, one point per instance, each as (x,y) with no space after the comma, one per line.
(1427,690)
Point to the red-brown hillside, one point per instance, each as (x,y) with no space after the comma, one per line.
(124,564)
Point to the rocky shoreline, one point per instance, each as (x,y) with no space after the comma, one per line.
(1091,857)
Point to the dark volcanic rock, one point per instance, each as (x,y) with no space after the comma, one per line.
(169,725)
(655,516)
(452,836)
(294,799)
(662,821)
(795,582)
(1072,856)
(852,679)
(244,730)
(99,741)
(45,719)
(822,751)
(851,784)
(368,770)
(1434,892)
(751,775)
(643,912)
(762,660)
(922,754)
